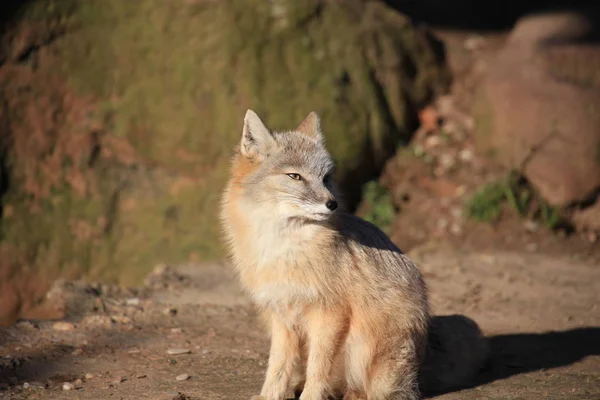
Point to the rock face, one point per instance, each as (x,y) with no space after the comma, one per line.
(539,107)
(119,117)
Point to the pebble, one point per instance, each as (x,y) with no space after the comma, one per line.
(432,141)
(133,301)
(123,319)
(466,155)
(88,376)
(76,352)
(120,379)
(170,311)
(176,330)
(26,325)
(134,351)
(26,385)
(530,225)
(63,326)
(67,386)
(175,352)
(455,229)
(182,377)
(78,382)
(140,376)
(447,160)
(97,320)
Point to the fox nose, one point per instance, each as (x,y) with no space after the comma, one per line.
(331,204)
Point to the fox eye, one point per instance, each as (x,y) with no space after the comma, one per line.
(295,177)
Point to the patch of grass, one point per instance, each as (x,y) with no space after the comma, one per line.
(487,203)
(380,208)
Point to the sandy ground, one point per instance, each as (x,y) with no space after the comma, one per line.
(541,314)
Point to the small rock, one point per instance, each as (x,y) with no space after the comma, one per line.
(175,352)
(140,376)
(67,386)
(133,301)
(172,361)
(36,385)
(26,385)
(26,325)
(78,382)
(118,380)
(182,377)
(76,352)
(88,376)
(466,155)
(431,142)
(97,320)
(455,229)
(530,225)
(170,311)
(63,326)
(123,319)
(176,330)
(134,351)
(447,160)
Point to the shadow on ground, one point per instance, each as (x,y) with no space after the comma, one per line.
(519,353)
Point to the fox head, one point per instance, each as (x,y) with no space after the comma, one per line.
(286,174)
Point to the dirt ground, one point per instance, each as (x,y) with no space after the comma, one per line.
(540,313)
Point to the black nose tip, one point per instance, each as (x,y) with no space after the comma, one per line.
(331,204)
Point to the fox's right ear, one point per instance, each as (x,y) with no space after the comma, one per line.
(257,141)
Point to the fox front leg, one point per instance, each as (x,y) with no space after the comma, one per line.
(326,334)
(283,359)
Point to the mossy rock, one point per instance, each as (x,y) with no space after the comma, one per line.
(121,116)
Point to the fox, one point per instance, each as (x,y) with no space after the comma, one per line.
(347,310)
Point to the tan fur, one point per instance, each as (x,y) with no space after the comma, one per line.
(348,312)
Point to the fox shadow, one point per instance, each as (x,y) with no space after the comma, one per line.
(514,354)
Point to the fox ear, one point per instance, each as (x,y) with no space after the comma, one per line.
(311,126)
(257,141)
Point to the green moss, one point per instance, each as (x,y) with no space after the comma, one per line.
(487,203)
(484,121)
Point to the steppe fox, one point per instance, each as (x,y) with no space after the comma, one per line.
(347,310)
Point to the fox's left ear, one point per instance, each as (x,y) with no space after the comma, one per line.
(311,126)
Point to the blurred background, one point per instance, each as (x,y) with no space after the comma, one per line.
(465,122)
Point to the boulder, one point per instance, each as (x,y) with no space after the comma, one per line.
(538,107)
(119,117)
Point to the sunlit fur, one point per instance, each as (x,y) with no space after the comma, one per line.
(347,311)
